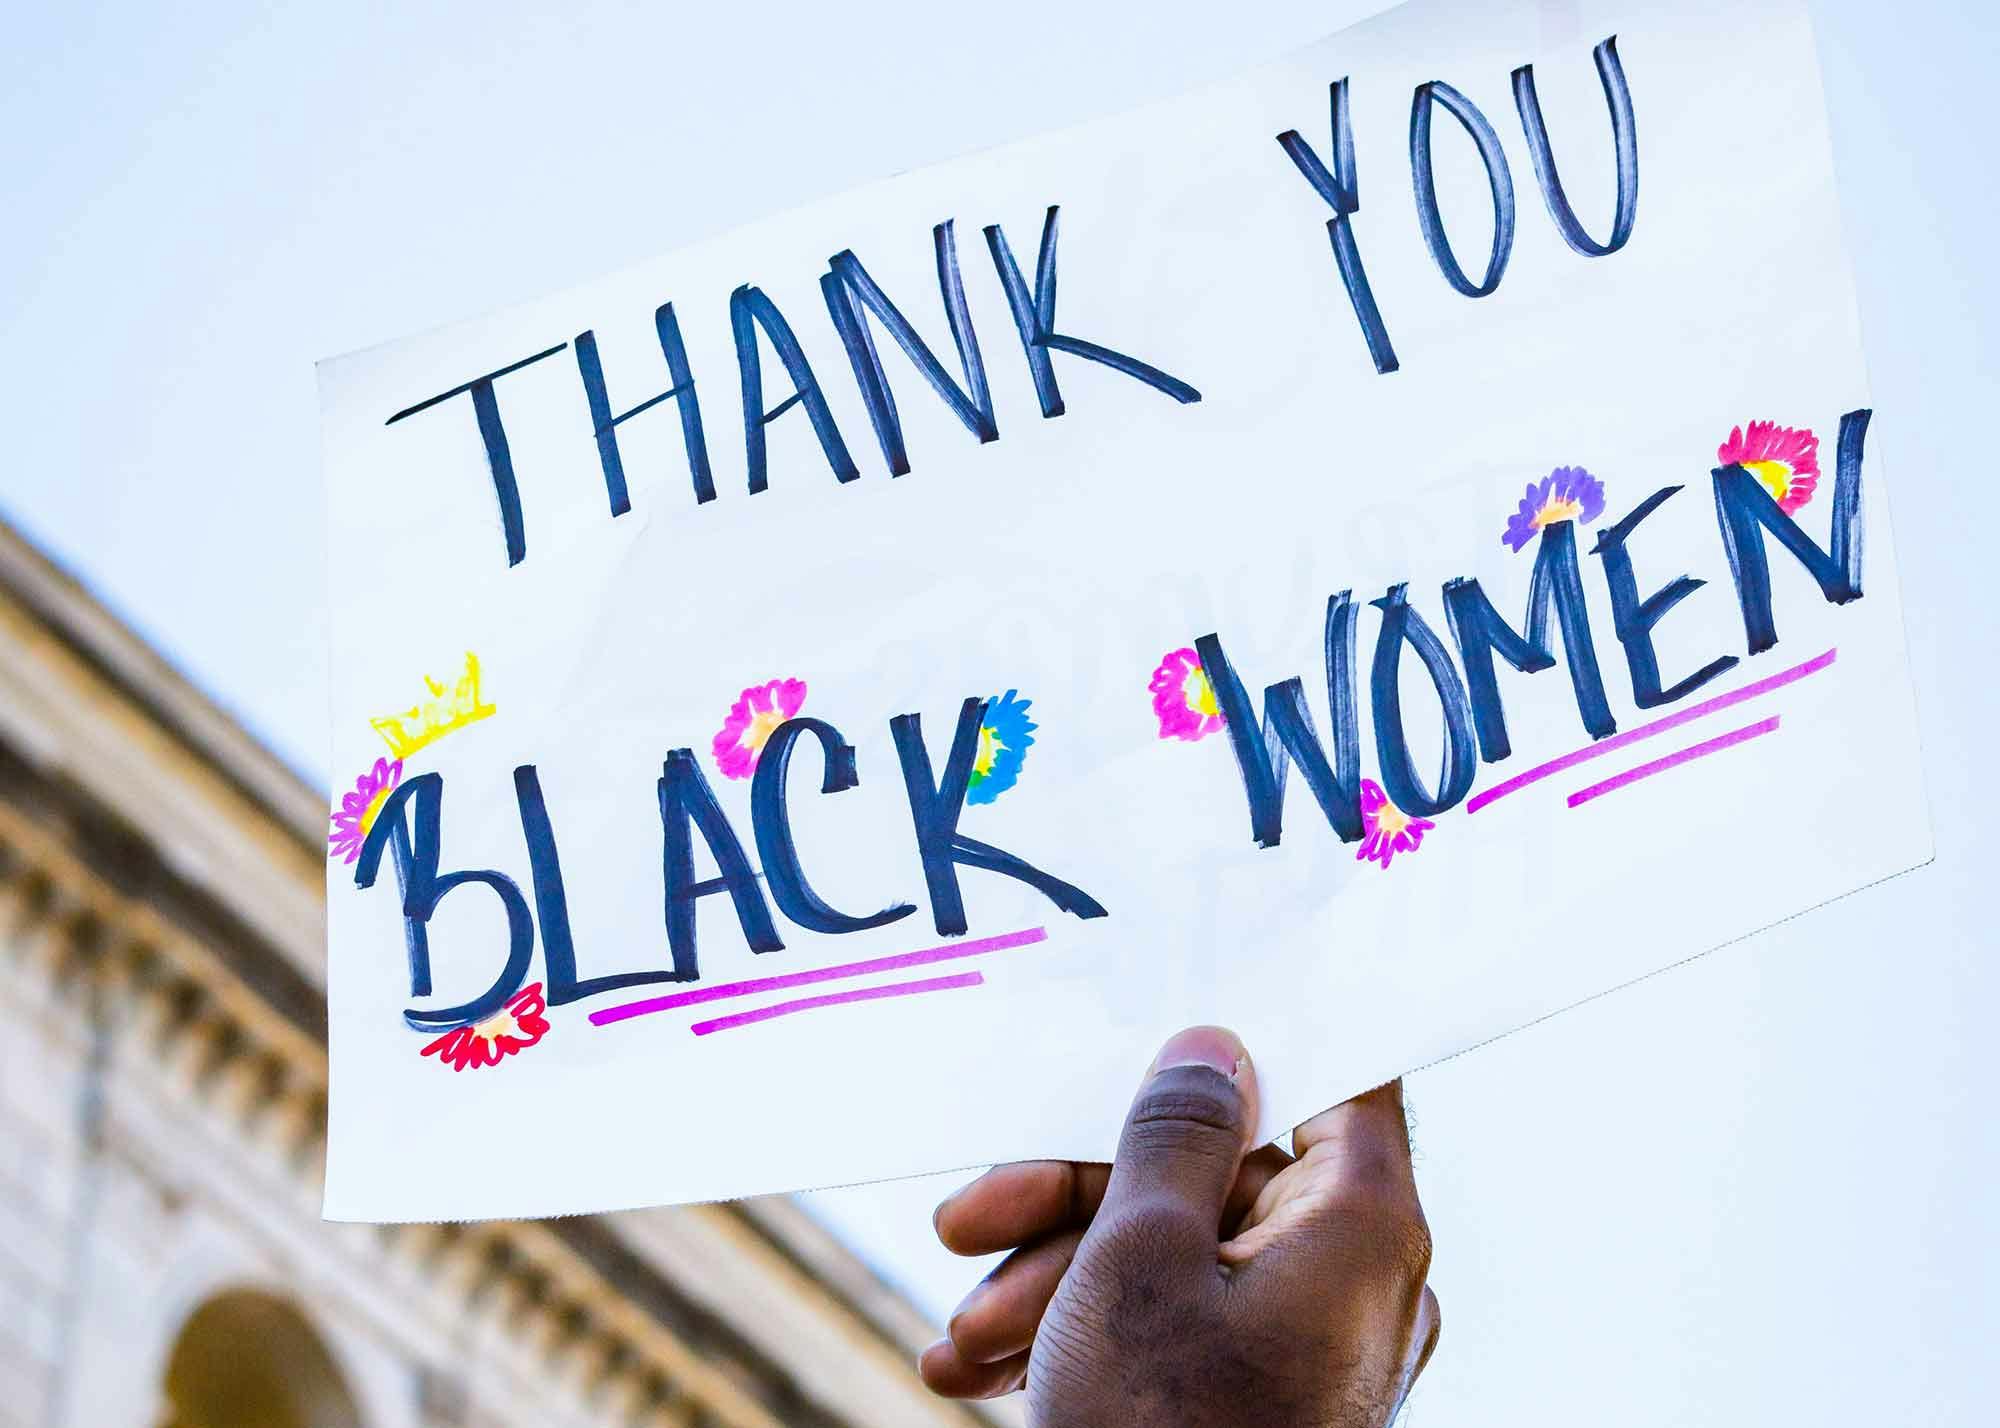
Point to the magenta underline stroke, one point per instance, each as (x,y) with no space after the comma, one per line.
(1675,760)
(950,951)
(835,999)
(1646,731)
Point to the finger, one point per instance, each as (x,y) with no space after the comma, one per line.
(1014,1205)
(998,1319)
(1365,1141)
(1184,1141)
(949,1376)
(1258,1170)
(1352,1177)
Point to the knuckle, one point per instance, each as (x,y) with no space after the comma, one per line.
(1188,1099)
(1164,1158)
(1177,1139)
(1143,1234)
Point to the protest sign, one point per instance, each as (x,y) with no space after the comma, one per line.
(1371,554)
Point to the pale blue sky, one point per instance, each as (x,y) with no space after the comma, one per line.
(1755,1191)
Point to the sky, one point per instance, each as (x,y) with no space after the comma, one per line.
(1753,1191)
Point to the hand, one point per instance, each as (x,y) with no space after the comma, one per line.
(1196,1282)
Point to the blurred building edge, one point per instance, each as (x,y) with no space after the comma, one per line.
(162,1102)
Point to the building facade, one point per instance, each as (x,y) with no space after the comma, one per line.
(162,1103)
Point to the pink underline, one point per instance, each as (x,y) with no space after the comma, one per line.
(1646,731)
(1675,760)
(949,952)
(835,999)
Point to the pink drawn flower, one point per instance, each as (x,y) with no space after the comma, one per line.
(1389,830)
(1183,699)
(509,1031)
(357,811)
(1785,459)
(756,712)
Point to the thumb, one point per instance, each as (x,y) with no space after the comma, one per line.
(1184,1140)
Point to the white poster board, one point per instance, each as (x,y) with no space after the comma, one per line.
(821,704)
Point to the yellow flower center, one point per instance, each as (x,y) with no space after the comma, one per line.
(1776,476)
(1201,694)
(500,1024)
(374,808)
(1556,509)
(989,750)
(1391,819)
(762,725)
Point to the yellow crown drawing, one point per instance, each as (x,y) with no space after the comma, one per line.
(442,712)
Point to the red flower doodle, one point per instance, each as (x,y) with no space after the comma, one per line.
(514,1028)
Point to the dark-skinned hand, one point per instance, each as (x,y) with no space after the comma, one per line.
(1197,1283)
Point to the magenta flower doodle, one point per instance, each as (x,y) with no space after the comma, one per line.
(1183,699)
(1387,829)
(757,712)
(1568,493)
(1785,459)
(359,807)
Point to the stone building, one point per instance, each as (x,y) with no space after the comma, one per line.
(162,1096)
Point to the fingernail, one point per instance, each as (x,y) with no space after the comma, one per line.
(1215,1047)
